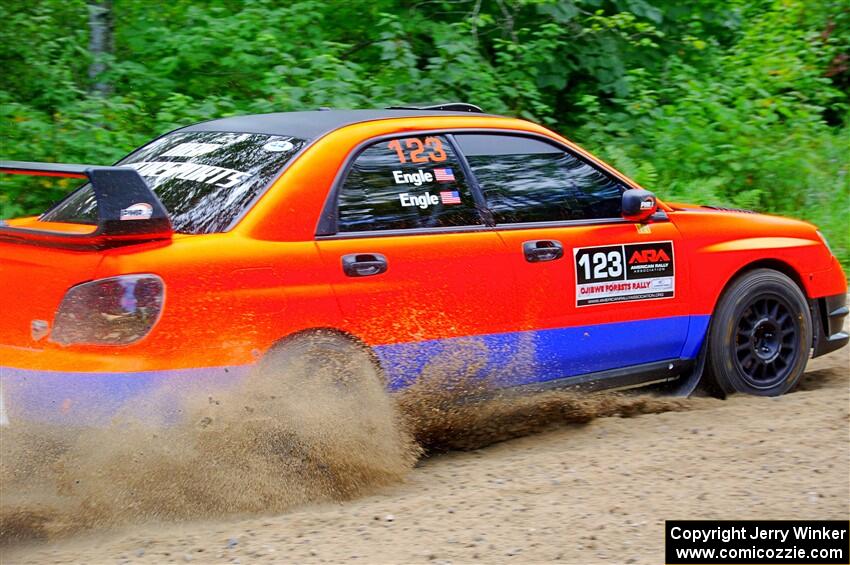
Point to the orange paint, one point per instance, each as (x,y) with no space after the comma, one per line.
(231,295)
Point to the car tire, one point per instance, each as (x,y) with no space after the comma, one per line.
(329,374)
(342,362)
(331,390)
(760,335)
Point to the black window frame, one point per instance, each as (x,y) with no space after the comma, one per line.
(593,163)
(327,226)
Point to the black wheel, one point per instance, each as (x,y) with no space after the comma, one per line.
(760,335)
(327,392)
(328,375)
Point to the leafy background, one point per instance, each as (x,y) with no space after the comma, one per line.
(740,103)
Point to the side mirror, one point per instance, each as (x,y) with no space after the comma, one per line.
(638,205)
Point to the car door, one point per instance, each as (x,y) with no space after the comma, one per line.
(603,297)
(415,271)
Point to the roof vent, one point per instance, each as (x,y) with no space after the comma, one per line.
(446,107)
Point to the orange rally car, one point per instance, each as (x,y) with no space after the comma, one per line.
(406,234)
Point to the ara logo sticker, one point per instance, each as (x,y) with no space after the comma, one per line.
(422,201)
(416,179)
(140,211)
(649,256)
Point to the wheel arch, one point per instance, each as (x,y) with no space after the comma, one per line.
(770,263)
(329,330)
(775,265)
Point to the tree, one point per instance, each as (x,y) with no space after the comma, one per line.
(100,44)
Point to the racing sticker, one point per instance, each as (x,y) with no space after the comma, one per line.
(192,149)
(416,150)
(208,174)
(619,273)
(424,201)
(140,211)
(278,146)
(421,176)
(416,179)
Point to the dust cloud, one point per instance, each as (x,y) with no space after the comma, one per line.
(269,444)
(461,402)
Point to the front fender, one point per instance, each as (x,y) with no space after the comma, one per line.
(719,246)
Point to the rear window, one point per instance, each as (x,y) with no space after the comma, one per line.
(204,179)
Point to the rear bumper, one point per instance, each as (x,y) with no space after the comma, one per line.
(828,315)
(96,398)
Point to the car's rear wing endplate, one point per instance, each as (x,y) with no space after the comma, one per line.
(128,211)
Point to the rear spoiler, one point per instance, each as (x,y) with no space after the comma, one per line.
(128,211)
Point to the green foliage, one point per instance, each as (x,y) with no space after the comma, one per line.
(744,125)
(736,103)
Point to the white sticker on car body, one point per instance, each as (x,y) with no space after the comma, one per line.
(278,146)
(139,211)
(624,272)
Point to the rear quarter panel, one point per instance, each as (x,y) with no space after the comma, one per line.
(33,281)
(228,298)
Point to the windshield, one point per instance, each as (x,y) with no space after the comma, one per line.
(204,179)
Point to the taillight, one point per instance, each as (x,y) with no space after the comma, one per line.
(113,311)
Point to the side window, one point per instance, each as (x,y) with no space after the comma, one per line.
(528,180)
(406,183)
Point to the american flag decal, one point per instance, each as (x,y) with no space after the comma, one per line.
(450,197)
(444,175)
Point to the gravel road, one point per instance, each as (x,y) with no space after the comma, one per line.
(597,492)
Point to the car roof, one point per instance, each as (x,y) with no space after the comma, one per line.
(315,123)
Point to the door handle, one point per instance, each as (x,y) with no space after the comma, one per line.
(542,250)
(364,264)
